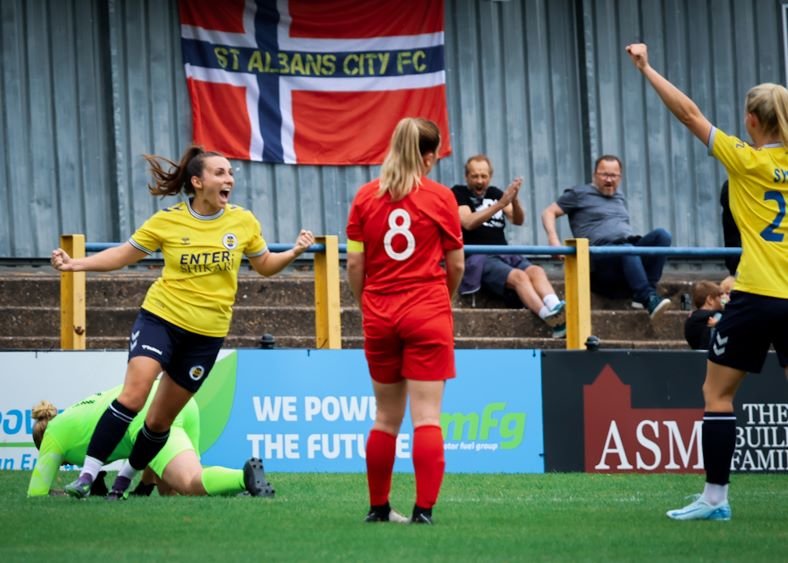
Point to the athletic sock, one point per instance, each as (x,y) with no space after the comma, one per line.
(543,312)
(381,451)
(719,442)
(108,433)
(146,446)
(715,494)
(428,464)
(90,469)
(551,301)
(127,471)
(121,484)
(222,480)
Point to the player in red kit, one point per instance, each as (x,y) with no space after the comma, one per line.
(403,228)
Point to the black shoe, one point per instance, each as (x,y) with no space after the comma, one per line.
(143,489)
(384,513)
(254,479)
(99,486)
(421,515)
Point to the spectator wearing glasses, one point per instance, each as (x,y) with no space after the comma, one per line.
(598,211)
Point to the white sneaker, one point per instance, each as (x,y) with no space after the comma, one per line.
(702,510)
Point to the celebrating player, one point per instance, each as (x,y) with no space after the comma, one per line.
(757,314)
(186,313)
(401,226)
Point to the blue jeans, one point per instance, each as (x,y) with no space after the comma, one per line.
(635,276)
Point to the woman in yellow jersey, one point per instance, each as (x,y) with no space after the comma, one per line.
(186,312)
(757,314)
(63,438)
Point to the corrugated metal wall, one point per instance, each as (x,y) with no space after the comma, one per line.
(543,87)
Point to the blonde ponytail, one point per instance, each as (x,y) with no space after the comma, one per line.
(769,103)
(781,109)
(42,413)
(403,166)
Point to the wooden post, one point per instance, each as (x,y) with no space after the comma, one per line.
(72,297)
(328,322)
(577,277)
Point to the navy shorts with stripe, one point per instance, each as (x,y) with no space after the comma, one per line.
(750,324)
(187,357)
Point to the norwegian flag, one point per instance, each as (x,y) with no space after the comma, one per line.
(312,81)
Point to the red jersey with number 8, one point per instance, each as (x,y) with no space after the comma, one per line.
(406,240)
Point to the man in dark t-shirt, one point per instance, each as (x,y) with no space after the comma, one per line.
(484,210)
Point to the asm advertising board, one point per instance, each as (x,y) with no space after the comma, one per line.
(607,412)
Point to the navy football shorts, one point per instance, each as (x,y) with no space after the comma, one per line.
(496,271)
(749,325)
(187,357)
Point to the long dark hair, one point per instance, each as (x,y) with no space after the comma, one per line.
(177,177)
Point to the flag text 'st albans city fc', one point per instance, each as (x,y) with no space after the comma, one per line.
(312,82)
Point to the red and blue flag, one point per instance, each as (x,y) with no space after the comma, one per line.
(312,81)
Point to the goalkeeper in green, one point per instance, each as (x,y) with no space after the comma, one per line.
(63,438)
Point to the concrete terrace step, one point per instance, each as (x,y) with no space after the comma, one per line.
(251,322)
(129,288)
(284,306)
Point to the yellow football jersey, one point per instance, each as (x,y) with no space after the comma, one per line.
(202,256)
(758,187)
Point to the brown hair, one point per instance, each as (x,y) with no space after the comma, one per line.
(403,166)
(42,413)
(702,290)
(769,103)
(178,177)
(609,157)
(479,158)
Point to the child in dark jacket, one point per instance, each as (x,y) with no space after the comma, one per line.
(699,326)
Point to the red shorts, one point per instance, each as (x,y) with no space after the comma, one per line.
(409,335)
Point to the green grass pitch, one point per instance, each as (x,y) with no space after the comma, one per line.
(318,517)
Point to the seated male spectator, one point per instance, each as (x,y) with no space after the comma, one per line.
(483,213)
(598,211)
(698,328)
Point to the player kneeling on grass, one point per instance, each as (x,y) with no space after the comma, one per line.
(63,439)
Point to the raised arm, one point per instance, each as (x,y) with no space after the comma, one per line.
(113,258)
(272,263)
(674,99)
(549,216)
(508,204)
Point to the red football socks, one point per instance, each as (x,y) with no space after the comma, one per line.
(428,463)
(381,449)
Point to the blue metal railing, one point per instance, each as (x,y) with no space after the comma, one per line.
(671,251)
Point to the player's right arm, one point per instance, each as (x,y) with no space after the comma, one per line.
(113,258)
(355,268)
(50,457)
(674,99)
(455,267)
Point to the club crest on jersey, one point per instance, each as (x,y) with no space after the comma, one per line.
(230,241)
(196,372)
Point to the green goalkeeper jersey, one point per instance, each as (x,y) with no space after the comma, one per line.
(67,435)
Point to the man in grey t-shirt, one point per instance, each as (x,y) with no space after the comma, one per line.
(598,212)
